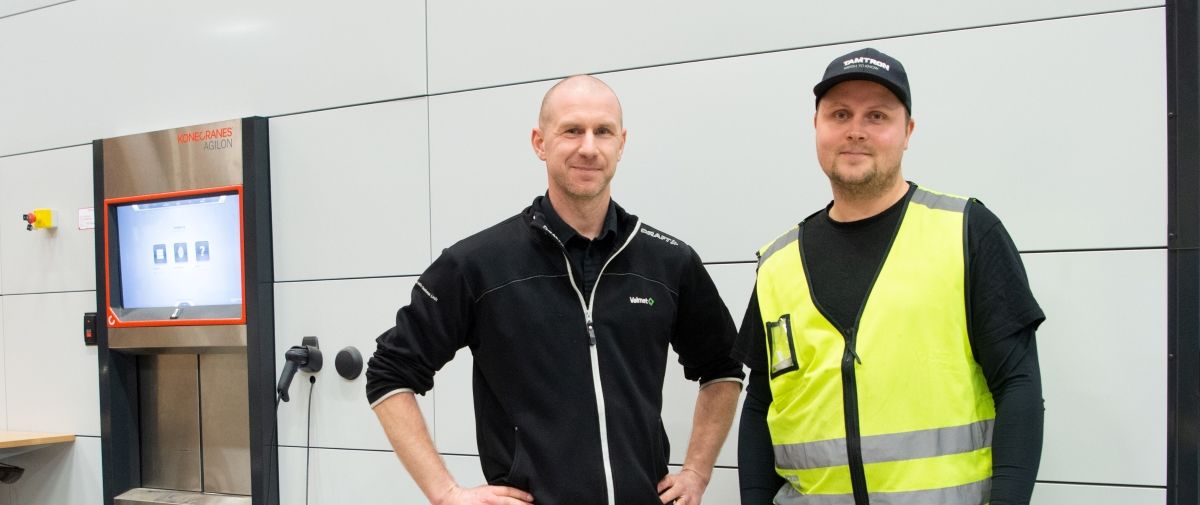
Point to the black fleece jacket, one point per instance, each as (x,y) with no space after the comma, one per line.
(508,294)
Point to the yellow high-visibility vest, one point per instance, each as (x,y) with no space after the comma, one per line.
(903,383)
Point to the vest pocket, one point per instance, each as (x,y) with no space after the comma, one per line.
(781,346)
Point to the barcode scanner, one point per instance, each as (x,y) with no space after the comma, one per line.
(306,356)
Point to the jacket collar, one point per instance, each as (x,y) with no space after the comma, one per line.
(540,215)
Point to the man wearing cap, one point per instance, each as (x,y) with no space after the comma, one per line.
(890,335)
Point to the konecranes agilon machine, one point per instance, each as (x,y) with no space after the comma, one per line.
(184,281)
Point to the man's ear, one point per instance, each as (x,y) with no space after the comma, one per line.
(624,136)
(912,124)
(538,141)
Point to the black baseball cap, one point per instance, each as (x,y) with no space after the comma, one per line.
(869,65)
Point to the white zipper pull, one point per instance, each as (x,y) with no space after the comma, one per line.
(591,331)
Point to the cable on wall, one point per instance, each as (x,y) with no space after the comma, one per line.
(312,382)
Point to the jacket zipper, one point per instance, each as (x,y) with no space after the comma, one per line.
(588,306)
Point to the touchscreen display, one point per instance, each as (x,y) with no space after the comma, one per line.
(180,253)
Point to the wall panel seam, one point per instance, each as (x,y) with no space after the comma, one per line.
(804,47)
(35,151)
(1104,484)
(729,262)
(35,9)
(39,293)
(362,278)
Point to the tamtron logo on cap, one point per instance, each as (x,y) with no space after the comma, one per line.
(863,60)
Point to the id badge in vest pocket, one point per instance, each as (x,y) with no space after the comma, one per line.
(781,347)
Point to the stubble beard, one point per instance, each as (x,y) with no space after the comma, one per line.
(872,184)
(580,191)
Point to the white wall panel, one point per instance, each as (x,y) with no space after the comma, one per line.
(3,375)
(482,167)
(102,69)
(734,283)
(12,229)
(720,153)
(338,477)
(51,376)
(1060,494)
(339,314)
(350,192)
(473,44)
(60,474)
(11,7)
(1066,161)
(454,406)
(59,259)
(1104,365)
(465,469)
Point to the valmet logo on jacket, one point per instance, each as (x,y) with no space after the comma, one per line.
(645,301)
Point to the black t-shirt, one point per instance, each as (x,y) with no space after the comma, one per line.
(843,259)
(587,256)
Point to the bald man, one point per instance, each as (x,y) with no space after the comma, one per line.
(568,309)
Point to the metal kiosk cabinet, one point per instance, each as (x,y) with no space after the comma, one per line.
(184,282)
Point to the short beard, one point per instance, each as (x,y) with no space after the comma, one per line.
(873,185)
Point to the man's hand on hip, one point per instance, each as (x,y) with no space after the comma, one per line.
(486,495)
(685,488)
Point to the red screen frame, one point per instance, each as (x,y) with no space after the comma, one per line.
(113,320)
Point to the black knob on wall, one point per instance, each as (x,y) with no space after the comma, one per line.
(349,363)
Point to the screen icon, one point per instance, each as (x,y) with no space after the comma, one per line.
(181,255)
(202,250)
(160,253)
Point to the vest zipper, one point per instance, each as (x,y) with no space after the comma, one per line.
(858,478)
(854,459)
(588,306)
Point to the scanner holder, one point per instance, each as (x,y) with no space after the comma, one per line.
(306,357)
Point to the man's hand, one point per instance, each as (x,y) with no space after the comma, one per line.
(685,488)
(485,495)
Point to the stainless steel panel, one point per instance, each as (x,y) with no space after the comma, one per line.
(179,339)
(170,421)
(225,423)
(143,496)
(192,157)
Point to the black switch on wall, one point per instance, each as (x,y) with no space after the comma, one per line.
(89,328)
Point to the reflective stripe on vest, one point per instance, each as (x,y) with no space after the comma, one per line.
(923,409)
(975,492)
(891,447)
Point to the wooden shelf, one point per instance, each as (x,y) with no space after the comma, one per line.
(12,439)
